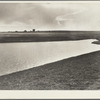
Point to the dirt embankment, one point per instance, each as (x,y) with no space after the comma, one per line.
(76,73)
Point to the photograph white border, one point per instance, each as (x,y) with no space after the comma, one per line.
(49,94)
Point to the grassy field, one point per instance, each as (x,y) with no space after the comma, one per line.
(44,36)
(76,73)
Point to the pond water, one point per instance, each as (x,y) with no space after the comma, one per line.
(19,56)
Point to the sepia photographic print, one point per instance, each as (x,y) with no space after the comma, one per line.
(50,46)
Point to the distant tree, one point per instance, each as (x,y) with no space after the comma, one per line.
(25,30)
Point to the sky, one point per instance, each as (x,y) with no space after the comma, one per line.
(49,16)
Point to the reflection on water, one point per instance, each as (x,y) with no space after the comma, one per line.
(20,56)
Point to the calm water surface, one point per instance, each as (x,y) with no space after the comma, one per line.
(19,56)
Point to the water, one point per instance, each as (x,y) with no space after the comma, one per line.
(19,56)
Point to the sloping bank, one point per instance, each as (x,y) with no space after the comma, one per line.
(76,73)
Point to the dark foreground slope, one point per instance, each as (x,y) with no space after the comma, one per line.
(76,73)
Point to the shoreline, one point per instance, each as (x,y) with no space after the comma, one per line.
(76,73)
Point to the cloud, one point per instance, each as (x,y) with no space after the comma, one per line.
(49,16)
(83,17)
(66,17)
(28,14)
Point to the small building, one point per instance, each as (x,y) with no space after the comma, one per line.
(33,30)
